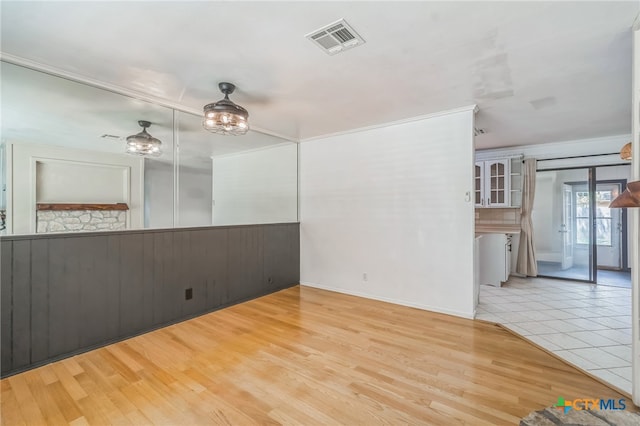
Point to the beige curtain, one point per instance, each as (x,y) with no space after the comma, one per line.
(526,264)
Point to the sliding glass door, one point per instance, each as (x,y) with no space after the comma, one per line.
(562,223)
(577,236)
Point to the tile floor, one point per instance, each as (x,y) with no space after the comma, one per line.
(587,325)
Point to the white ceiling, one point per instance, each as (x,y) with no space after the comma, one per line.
(539,71)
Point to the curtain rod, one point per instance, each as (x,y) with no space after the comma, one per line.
(578,156)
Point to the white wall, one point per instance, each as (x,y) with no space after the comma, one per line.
(72,176)
(68,182)
(545,226)
(259,186)
(391,203)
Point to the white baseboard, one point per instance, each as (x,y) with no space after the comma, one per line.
(549,256)
(466,315)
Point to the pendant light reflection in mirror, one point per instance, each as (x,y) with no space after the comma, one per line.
(143,143)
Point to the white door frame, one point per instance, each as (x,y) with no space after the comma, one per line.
(566,227)
(634,215)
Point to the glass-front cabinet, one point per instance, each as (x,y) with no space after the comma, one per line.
(478,182)
(497,183)
(492,183)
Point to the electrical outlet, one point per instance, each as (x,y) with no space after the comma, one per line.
(188,294)
(364,277)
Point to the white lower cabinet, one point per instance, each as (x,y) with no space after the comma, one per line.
(494,259)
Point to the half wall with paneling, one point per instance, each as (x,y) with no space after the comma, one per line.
(62,294)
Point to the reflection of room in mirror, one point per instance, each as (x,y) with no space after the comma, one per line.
(57,189)
(68,144)
(43,109)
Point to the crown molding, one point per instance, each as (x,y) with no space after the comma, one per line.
(473,108)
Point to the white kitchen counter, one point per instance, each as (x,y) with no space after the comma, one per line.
(497,229)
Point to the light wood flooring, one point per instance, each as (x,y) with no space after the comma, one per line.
(302,356)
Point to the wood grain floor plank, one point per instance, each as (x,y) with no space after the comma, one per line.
(71,385)
(302,356)
(46,401)
(48,374)
(29,407)
(10,413)
(72,365)
(80,421)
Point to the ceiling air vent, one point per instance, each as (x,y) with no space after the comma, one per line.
(336,37)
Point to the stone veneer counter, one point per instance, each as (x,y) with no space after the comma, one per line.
(78,217)
(80,220)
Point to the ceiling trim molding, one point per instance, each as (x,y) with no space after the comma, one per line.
(473,108)
(79,78)
(249,151)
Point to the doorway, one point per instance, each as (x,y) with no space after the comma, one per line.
(609,226)
(577,236)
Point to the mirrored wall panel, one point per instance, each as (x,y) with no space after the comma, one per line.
(231,180)
(66,163)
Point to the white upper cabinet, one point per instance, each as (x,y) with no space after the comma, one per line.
(515,182)
(497,183)
(479,184)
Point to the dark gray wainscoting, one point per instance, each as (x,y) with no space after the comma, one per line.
(63,294)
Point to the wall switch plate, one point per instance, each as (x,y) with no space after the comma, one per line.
(188,294)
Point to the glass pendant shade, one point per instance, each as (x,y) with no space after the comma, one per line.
(625,152)
(143,143)
(225,117)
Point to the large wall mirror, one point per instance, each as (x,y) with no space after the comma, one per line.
(63,166)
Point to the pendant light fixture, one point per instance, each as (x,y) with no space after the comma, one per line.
(143,143)
(625,152)
(224,117)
